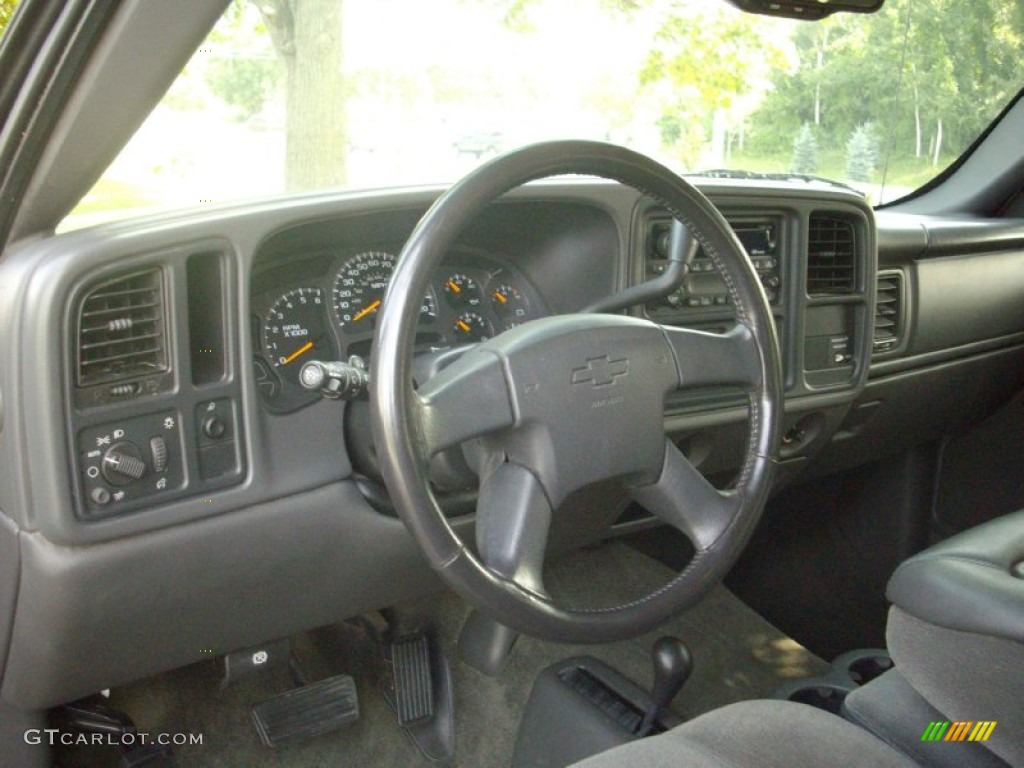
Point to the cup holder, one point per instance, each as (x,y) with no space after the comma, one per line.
(827,697)
(866,668)
(848,672)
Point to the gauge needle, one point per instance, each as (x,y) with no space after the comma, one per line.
(499,297)
(454,287)
(371,307)
(463,326)
(300,351)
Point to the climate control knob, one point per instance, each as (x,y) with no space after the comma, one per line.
(123,463)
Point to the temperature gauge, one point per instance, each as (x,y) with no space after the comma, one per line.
(509,303)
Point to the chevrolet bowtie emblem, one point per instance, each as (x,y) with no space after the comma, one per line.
(600,371)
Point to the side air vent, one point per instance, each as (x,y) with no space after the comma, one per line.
(121,331)
(831,256)
(888,312)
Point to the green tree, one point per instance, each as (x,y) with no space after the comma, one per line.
(861,153)
(243,82)
(711,60)
(6,12)
(959,66)
(805,150)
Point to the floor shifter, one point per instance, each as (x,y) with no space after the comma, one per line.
(581,706)
(673,664)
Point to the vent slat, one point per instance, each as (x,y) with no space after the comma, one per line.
(888,312)
(121,332)
(136,325)
(831,256)
(126,340)
(147,307)
(142,357)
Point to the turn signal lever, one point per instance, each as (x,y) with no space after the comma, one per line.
(338,381)
(673,665)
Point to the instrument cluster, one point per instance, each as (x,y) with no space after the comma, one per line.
(332,313)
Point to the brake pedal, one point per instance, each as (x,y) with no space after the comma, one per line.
(306,712)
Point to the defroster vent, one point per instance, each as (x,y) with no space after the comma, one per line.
(121,331)
(831,256)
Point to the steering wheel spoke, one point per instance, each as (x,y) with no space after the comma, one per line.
(467,399)
(683,498)
(512,522)
(710,359)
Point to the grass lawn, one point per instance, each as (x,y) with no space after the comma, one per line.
(110,195)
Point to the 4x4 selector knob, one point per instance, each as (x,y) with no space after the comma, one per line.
(122,463)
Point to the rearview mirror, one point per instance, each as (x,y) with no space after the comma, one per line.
(811,10)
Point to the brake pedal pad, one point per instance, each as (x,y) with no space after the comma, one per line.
(306,712)
(412,679)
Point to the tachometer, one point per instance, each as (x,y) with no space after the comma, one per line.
(359,290)
(295,330)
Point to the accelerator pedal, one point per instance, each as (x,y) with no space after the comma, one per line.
(419,691)
(412,679)
(306,712)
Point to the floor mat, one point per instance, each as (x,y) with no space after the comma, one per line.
(737,656)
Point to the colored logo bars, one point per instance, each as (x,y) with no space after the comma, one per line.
(959,730)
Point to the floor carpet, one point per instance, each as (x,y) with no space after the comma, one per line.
(737,654)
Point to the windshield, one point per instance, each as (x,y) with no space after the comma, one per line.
(298,96)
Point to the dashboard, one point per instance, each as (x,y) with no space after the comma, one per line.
(323,306)
(167,350)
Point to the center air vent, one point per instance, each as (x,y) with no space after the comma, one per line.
(121,332)
(888,312)
(831,256)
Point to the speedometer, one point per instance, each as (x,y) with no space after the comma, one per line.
(359,290)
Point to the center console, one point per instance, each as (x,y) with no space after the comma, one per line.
(814,253)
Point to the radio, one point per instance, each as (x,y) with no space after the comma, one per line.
(703,286)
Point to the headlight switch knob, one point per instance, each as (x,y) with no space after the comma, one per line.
(123,463)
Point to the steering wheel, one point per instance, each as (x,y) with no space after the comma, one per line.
(562,402)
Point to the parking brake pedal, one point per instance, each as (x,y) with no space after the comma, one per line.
(308,711)
(258,660)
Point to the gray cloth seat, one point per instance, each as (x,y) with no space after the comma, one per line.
(956,628)
(956,633)
(756,734)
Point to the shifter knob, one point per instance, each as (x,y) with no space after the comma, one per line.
(673,664)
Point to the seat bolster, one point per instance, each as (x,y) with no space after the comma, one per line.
(972,582)
(965,675)
(757,734)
